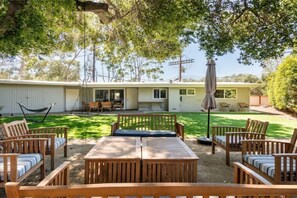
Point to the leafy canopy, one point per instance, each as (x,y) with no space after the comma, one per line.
(261,29)
(151,29)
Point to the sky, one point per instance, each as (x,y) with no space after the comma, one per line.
(225,66)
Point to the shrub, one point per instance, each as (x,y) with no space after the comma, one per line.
(282,85)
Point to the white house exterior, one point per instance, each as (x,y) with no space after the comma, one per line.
(151,96)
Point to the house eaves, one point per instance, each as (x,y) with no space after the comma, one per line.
(127,84)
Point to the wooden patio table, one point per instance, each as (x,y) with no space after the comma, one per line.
(113,160)
(168,159)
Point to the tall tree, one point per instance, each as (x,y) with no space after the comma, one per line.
(132,68)
(51,68)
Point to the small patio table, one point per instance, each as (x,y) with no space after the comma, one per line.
(113,160)
(168,159)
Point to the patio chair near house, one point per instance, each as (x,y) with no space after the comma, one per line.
(85,106)
(243,106)
(229,137)
(106,105)
(94,106)
(224,106)
(118,105)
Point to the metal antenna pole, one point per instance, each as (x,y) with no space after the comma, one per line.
(180,62)
(94,63)
(180,69)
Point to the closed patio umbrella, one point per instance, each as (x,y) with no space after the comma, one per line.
(209,101)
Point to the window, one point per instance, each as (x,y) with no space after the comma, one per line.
(160,93)
(190,92)
(219,93)
(187,92)
(183,92)
(109,95)
(226,93)
(101,95)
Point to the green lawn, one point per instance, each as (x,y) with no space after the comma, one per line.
(195,123)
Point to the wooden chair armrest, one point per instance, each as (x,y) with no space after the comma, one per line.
(221,130)
(291,155)
(5,155)
(114,126)
(244,175)
(272,141)
(264,147)
(180,130)
(58,177)
(61,132)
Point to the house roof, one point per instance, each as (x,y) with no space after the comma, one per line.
(125,84)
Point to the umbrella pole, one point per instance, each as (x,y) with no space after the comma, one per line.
(206,140)
(208,122)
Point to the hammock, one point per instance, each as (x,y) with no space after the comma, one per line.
(47,109)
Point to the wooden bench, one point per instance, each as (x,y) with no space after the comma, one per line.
(58,135)
(147,125)
(60,188)
(20,158)
(275,160)
(229,137)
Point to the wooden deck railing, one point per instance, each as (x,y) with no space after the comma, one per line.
(48,189)
(150,189)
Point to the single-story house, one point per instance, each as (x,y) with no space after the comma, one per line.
(154,96)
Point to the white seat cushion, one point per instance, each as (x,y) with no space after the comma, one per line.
(58,142)
(24,163)
(222,139)
(266,164)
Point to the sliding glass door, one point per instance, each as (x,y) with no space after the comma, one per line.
(109,95)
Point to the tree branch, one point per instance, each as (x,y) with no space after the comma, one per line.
(100,9)
(8,21)
(116,10)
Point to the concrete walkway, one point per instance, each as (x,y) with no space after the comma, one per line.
(272,110)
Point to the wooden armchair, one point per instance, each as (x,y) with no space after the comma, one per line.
(229,137)
(274,160)
(243,106)
(224,106)
(85,106)
(94,106)
(20,158)
(56,136)
(106,105)
(119,105)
